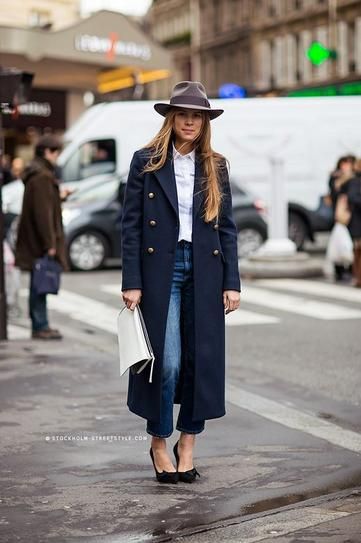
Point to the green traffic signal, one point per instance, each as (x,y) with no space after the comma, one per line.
(318,53)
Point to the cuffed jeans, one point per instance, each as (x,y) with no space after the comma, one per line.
(37,309)
(180,322)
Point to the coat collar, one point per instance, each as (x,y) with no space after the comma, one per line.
(166,178)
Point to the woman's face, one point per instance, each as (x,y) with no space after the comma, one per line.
(187,125)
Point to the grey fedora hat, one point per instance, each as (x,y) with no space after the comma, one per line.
(189,95)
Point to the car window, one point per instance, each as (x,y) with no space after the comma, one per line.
(236,189)
(94,157)
(103,191)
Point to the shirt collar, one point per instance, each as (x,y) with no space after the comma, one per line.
(177,154)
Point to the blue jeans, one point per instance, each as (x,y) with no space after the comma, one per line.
(37,309)
(180,324)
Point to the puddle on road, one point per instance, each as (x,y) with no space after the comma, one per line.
(202,521)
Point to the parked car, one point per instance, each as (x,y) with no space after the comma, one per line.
(91,218)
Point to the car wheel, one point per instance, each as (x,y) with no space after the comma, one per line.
(249,239)
(297,230)
(88,251)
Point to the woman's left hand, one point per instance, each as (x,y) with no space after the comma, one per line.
(231,300)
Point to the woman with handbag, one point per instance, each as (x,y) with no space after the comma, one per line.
(180,264)
(352,191)
(339,177)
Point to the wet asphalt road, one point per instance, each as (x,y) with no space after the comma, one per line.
(75,463)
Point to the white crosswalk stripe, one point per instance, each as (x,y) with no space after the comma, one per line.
(240,317)
(303,301)
(84,309)
(299,305)
(316,288)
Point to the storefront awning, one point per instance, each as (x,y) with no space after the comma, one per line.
(103,42)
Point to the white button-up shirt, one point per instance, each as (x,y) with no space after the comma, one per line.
(184,168)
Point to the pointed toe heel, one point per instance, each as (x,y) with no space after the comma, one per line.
(170,477)
(186,476)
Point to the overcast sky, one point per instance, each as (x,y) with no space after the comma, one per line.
(128,7)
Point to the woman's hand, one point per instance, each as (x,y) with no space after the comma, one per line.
(132,297)
(231,300)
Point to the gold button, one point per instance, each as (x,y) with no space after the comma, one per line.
(151,195)
(215,252)
(150,250)
(152,223)
(216,226)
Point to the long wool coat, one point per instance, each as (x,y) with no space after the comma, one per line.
(40,226)
(150,227)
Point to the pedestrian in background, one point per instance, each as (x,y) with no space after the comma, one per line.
(180,264)
(353,191)
(6,169)
(17,168)
(40,229)
(343,172)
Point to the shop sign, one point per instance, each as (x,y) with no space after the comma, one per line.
(45,109)
(111,46)
(35,109)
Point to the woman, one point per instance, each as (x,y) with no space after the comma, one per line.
(353,191)
(338,179)
(179,247)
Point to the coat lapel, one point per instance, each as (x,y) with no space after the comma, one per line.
(166,178)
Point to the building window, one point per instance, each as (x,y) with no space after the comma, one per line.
(39,18)
(351,47)
(298,4)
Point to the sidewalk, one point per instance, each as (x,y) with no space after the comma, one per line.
(76,465)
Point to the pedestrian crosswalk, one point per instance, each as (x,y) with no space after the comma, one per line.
(284,297)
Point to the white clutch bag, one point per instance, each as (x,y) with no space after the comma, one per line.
(135,350)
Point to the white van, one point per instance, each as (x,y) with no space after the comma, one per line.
(310,134)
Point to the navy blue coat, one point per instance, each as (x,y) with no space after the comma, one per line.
(148,254)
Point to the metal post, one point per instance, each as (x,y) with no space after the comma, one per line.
(278,243)
(3,313)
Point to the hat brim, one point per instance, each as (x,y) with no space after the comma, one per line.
(163,109)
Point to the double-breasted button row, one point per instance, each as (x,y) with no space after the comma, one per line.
(152,222)
(151,195)
(150,250)
(215,226)
(216,252)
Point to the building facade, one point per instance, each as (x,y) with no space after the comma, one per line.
(174,24)
(262,44)
(103,57)
(46,14)
(283,32)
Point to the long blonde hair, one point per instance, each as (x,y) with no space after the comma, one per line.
(212,162)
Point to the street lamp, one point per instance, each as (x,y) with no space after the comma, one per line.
(15,88)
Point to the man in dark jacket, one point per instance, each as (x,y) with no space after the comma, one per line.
(40,229)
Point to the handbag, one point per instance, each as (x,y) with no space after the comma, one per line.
(340,246)
(342,212)
(46,275)
(135,350)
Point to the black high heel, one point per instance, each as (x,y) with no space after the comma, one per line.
(164,476)
(186,476)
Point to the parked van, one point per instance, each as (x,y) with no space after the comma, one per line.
(309,134)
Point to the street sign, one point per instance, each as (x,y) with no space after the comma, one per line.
(319,53)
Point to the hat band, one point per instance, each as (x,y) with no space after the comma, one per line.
(192,100)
